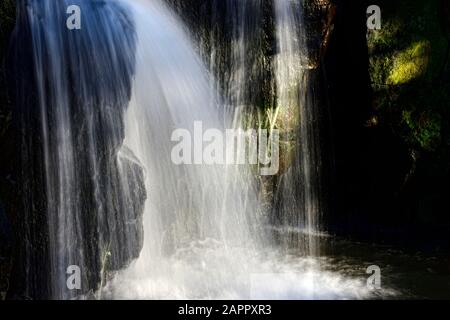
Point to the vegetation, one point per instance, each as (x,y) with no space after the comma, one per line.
(410,72)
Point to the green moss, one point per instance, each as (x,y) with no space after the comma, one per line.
(425,128)
(408,71)
(410,63)
(411,30)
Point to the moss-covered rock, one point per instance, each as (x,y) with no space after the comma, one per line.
(409,71)
(410,63)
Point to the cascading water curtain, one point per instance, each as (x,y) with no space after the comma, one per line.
(84,197)
(202,220)
(98,110)
(265,83)
(236,52)
(258,52)
(297,201)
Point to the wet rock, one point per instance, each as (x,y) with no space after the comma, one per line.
(103,203)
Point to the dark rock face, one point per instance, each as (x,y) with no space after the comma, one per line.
(73,184)
(384,180)
(221,26)
(318,24)
(8,158)
(361,153)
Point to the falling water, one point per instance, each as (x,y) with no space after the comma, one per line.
(203,224)
(236,50)
(199,219)
(298,194)
(90,195)
(232,40)
(110,98)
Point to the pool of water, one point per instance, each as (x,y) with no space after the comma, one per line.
(410,275)
(209,270)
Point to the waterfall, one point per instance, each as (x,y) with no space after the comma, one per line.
(82,197)
(236,51)
(267,83)
(101,190)
(204,235)
(197,217)
(298,196)
(189,202)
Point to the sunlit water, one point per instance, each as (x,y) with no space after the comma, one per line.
(211,271)
(204,235)
(202,239)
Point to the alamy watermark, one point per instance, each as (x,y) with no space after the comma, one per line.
(73,281)
(234,146)
(374,17)
(374,280)
(73,22)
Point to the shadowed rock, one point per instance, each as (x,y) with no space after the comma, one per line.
(81,203)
